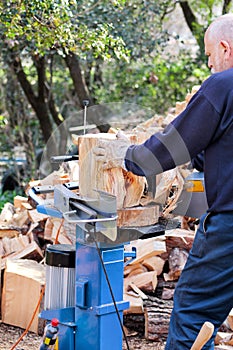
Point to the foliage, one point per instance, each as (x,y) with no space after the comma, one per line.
(134,83)
(8,197)
(40,26)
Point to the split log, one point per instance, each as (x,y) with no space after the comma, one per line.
(135,269)
(179,238)
(35,216)
(138,216)
(7,212)
(145,248)
(154,263)
(153,324)
(168,294)
(127,187)
(146,281)
(230,320)
(157,318)
(19,200)
(9,231)
(2,251)
(32,252)
(21,217)
(223,338)
(176,260)
(12,245)
(135,303)
(23,280)
(138,291)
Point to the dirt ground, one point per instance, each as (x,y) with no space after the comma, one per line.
(9,336)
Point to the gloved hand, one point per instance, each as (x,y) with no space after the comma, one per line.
(112,154)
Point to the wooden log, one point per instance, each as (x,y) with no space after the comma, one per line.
(9,231)
(176,260)
(138,216)
(165,288)
(146,248)
(23,280)
(223,338)
(12,245)
(135,322)
(157,318)
(154,263)
(32,252)
(135,303)
(230,320)
(7,213)
(127,187)
(59,232)
(138,291)
(179,238)
(134,269)
(21,217)
(35,216)
(19,200)
(146,281)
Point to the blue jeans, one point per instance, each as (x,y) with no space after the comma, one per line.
(204,291)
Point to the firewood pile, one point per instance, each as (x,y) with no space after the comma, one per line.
(149,279)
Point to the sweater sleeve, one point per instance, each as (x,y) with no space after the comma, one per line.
(182,140)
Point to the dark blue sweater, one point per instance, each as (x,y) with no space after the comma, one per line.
(205,125)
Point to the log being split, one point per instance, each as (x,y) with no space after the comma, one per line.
(127,187)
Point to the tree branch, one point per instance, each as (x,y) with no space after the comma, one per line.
(226,5)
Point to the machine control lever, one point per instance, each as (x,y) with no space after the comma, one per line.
(68,214)
(132,255)
(79,206)
(65,158)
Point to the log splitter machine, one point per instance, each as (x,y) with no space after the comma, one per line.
(84,281)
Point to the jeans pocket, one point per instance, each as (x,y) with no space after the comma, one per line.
(199,244)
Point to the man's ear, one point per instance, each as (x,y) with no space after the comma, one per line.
(225,46)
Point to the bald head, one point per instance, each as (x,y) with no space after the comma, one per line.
(221,28)
(219,43)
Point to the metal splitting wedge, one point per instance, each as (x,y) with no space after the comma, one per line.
(203,336)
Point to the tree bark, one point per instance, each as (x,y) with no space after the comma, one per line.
(192,23)
(37,103)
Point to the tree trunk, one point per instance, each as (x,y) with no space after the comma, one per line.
(193,24)
(226,6)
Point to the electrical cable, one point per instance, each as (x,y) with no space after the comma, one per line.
(58,231)
(110,289)
(33,316)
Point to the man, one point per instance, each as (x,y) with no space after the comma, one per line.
(205,289)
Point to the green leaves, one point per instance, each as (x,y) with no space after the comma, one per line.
(42,25)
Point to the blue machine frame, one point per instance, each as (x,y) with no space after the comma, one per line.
(95,321)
